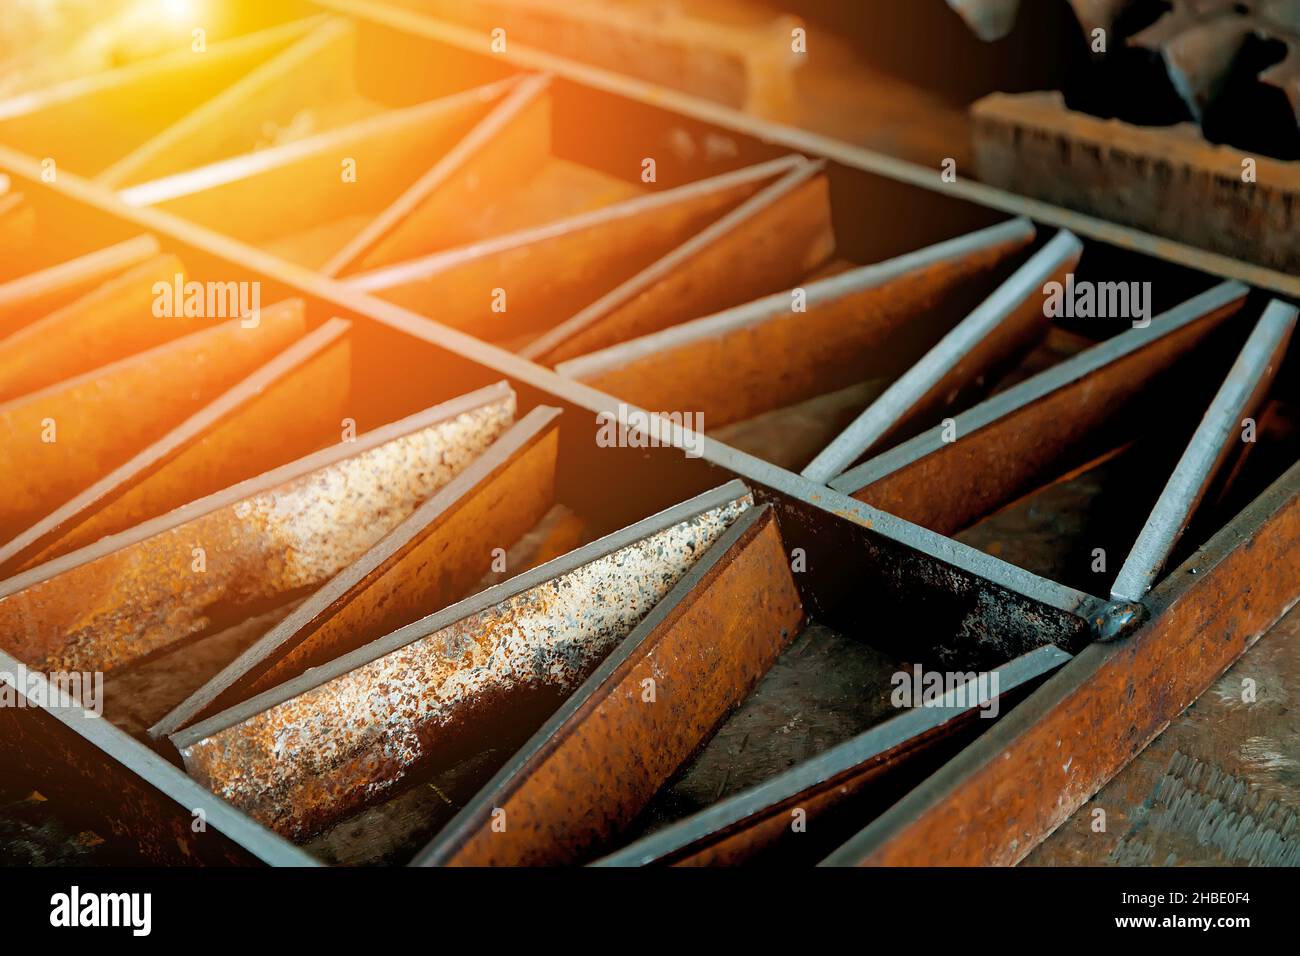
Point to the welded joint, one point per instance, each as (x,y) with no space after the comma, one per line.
(1117,620)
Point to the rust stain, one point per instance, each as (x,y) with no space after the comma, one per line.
(313,759)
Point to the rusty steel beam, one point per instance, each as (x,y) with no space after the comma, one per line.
(745,62)
(17,226)
(253,422)
(999,330)
(264,540)
(1020,438)
(276,196)
(491,156)
(39,293)
(771,241)
(111,322)
(995,801)
(701,650)
(551,271)
(763,355)
(739,828)
(88,123)
(56,442)
(1217,439)
(430,560)
(1033,144)
(236,118)
(137,800)
(321,746)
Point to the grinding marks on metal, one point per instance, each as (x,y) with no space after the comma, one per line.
(640,716)
(38,293)
(1217,437)
(552,271)
(739,827)
(180,452)
(1003,325)
(56,442)
(769,242)
(1015,440)
(399,225)
(267,538)
(155,803)
(767,354)
(325,744)
(428,561)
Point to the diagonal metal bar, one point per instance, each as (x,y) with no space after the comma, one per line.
(740,827)
(1004,323)
(997,799)
(699,652)
(428,561)
(722,365)
(144,800)
(262,541)
(313,750)
(1017,439)
(553,270)
(769,242)
(56,442)
(40,293)
(111,323)
(243,409)
(268,93)
(1216,438)
(92,121)
(496,149)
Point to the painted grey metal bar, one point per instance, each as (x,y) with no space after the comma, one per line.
(904,394)
(1033,389)
(1206,453)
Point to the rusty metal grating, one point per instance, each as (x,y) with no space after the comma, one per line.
(533,493)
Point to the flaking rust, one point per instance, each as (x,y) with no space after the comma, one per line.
(431,559)
(316,749)
(590,771)
(129,596)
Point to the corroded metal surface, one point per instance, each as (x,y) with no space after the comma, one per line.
(991,337)
(745,824)
(551,272)
(428,561)
(593,767)
(1031,144)
(771,241)
(760,356)
(110,323)
(1024,436)
(1001,796)
(1217,440)
(56,442)
(267,538)
(516,133)
(39,293)
(324,745)
(288,407)
(141,804)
